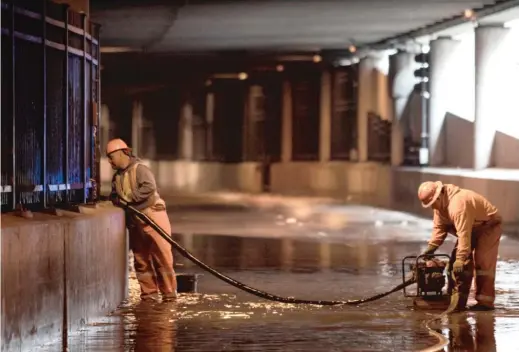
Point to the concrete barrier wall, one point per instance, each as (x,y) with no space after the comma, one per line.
(59,273)
(192,176)
(365,183)
(503,193)
(355,182)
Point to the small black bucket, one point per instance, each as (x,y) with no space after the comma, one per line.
(187,283)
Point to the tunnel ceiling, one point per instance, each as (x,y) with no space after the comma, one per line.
(305,25)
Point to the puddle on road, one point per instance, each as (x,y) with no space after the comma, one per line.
(223,318)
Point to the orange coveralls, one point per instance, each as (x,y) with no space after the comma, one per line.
(153,257)
(477,224)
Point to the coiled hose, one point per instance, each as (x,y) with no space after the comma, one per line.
(271,297)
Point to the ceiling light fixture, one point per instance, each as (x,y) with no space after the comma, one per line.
(352,48)
(243,76)
(317,58)
(117,49)
(280,68)
(469,14)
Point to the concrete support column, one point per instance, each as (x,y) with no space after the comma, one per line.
(104,134)
(77,5)
(137,125)
(442,88)
(252,148)
(286,129)
(365,102)
(248,125)
(490,78)
(372,97)
(186,132)
(402,81)
(325,118)
(209,118)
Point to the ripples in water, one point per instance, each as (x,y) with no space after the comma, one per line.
(222,318)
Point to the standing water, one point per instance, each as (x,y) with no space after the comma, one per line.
(330,253)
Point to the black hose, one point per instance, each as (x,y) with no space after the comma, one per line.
(252,290)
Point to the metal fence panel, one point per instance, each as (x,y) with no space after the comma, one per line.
(55,126)
(29,128)
(50,106)
(76,136)
(7,121)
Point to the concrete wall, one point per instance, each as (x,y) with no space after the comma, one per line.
(356,182)
(59,273)
(500,188)
(506,151)
(191,176)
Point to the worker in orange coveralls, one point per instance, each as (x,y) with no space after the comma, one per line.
(134,183)
(477,224)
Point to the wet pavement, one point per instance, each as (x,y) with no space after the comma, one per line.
(309,252)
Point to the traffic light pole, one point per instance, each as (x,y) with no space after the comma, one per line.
(423,74)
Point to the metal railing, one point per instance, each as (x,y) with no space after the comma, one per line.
(50,106)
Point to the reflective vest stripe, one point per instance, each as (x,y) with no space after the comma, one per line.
(484,298)
(485,273)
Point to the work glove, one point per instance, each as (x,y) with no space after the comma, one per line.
(430,250)
(457,267)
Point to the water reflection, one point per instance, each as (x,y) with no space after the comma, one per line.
(222,318)
(241,253)
(474,332)
(155,327)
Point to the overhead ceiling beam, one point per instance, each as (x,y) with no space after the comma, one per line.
(441,26)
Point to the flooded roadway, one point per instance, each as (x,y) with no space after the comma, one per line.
(320,252)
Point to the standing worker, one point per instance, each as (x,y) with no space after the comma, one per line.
(134,183)
(477,224)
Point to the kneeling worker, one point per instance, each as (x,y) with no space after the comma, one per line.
(134,183)
(477,224)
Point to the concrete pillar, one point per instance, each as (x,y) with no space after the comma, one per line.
(325,129)
(77,5)
(104,134)
(252,149)
(286,124)
(209,118)
(491,72)
(248,125)
(365,103)
(402,81)
(372,97)
(186,132)
(137,125)
(442,78)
